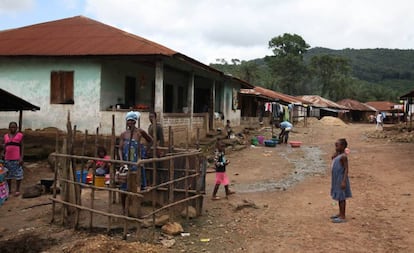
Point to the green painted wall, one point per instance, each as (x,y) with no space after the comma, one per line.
(30,80)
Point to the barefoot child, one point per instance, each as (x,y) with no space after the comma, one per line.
(340,188)
(221,176)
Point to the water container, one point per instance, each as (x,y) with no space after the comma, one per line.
(78,176)
(261,139)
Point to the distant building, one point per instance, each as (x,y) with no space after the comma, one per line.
(358,112)
(393,111)
(321,107)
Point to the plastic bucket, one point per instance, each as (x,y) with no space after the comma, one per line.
(100,181)
(261,139)
(78,176)
(254,141)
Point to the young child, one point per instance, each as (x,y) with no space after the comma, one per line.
(228,129)
(102,167)
(13,156)
(221,176)
(340,187)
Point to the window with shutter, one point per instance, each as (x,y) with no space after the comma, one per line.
(61,87)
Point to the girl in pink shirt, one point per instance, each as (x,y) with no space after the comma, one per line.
(13,156)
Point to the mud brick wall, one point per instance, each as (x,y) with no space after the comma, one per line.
(181,127)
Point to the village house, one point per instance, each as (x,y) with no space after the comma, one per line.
(321,107)
(358,112)
(94,71)
(408,103)
(393,111)
(253,103)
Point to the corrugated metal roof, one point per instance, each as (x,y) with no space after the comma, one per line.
(271,94)
(384,106)
(75,36)
(319,101)
(10,102)
(408,95)
(356,105)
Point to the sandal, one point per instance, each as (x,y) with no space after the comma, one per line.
(334,216)
(215,198)
(338,220)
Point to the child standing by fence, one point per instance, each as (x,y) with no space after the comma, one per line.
(220,166)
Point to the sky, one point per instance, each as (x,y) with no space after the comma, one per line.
(207,30)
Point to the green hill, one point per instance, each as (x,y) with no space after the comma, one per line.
(377,74)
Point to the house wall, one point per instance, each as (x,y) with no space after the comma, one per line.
(176,79)
(113,83)
(227,100)
(180,124)
(30,79)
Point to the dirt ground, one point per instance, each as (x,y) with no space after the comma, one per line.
(282,202)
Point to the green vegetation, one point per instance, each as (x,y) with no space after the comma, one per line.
(361,74)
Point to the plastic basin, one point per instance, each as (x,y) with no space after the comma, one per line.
(295,144)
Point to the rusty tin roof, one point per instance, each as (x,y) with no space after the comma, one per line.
(75,36)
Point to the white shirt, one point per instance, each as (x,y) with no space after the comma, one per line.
(379,118)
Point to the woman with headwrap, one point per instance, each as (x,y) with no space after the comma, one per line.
(129,147)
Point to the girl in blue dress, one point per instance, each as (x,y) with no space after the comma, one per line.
(340,187)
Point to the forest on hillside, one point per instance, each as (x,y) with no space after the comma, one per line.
(297,69)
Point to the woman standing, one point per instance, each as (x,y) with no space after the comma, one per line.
(13,156)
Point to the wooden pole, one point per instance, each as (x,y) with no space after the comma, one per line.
(65,186)
(154,172)
(65,203)
(187,167)
(198,138)
(92,202)
(79,189)
(141,162)
(55,176)
(199,201)
(170,205)
(170,186)
(111,174)
(20,120)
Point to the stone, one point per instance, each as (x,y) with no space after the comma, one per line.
(162,220)
(33,191)
(172,228)
(168,243)
(192,212)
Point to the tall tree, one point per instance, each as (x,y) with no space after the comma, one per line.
(333,73)
(287,62)
(288,45)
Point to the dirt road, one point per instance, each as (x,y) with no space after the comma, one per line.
(282,202)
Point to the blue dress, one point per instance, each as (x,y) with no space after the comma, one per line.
(132,156)
(338,169)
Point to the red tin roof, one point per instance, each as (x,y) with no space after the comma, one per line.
(383,106)
(356,105)
(319,101)
(271,94)
(75,36)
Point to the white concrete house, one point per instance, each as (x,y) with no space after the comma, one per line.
(94,71)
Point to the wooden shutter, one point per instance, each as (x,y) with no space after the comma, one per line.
(55,97)
(67,87)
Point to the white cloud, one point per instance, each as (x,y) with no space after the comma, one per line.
(14,6)
(210,29)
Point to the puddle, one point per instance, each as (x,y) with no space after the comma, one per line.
(310,164)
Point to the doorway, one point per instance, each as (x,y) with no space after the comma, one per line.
(130,89)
